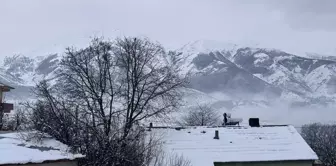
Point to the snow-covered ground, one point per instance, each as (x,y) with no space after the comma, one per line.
(14,150)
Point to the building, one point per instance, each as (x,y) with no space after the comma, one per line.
(239,146)
(5,107)
(14,151)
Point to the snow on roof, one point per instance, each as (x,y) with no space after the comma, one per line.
(14,150)
(237,144)
(5,88)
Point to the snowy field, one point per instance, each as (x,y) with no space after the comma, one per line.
(278,112)
(273,115)
(296,117)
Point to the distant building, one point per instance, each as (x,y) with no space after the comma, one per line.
(5,107)
(239,146)
(49,152)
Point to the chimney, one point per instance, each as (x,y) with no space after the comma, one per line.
(150,126)
(216,135)
(254,122)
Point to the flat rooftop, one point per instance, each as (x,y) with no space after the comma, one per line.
(236,144)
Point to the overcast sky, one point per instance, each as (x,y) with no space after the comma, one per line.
(33,27)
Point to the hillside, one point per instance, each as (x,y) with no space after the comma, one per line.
(262,71)
(240,73)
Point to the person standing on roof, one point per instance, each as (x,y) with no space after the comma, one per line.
(225,119)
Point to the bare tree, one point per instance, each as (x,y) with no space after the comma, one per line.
(201,115)
(101,95)
(322,139)
(149,78)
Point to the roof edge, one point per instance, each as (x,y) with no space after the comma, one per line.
(10,87)
(44,162)
(266,161)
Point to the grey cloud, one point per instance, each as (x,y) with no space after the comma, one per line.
(38,27)
(307,15)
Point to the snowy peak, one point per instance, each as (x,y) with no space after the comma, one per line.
(26,71)
(229,67)
(239,71)
(282,69)
(47,65)
(206,46)
(18,65)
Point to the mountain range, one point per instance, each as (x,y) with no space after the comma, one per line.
(237,72)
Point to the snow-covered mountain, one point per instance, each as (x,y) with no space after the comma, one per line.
(24,72)
(247,70)
(239,72)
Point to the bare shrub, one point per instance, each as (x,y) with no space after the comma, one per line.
(178,160)
(170,159)
(16,119)
(322,139)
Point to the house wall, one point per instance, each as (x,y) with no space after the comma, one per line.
(58,163)
(281,163)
